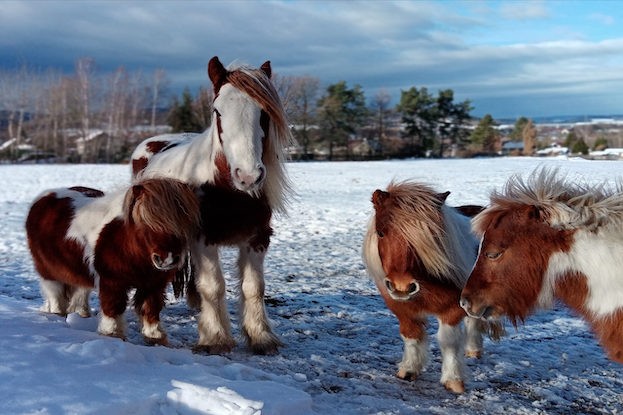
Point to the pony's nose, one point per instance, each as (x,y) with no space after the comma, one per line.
(410,288)
(464,303)
(248,179)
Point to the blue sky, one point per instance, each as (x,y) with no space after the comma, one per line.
(510,58)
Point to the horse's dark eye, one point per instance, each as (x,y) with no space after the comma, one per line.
(380,234)
(493,255)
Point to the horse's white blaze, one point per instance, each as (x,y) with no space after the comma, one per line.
(241,136)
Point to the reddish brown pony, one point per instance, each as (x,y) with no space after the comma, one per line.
(137,238)
(547,238)
(419,252)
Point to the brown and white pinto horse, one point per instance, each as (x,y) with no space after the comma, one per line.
(419,251)
(545,238)
(238,165)
(136,238)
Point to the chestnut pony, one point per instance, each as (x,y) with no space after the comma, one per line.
(419,251)
(545,238)
(80,239)
(237,164)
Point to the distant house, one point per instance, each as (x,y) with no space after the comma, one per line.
(512,147)
(554,150)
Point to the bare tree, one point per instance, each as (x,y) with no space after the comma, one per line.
(302,100)
(85,68)
(160,82)
(528,134)
(380,102)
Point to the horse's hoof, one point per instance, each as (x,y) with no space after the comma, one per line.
(475,354)
(212,349)
(265,349)
(455,386)
(156,341)
(406,375)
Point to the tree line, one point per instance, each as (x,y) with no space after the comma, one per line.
(91,117)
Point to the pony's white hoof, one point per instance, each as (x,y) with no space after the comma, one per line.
(404,374)
(455,386)
(474,354)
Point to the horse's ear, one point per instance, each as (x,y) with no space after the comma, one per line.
(217,73)
(379,197)
(129,203)
(442,197)
(267,69)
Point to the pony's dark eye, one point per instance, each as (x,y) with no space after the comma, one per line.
(380,234)
(493,255)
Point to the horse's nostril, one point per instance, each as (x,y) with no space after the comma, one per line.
(413,288)
(464,303)
(389,285)
(156,259)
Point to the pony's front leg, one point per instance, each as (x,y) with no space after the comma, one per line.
(148,306)
(55,297)
(415,353)
(473,339)
(79,301)
(450,338)
(255,325)
(113,301)
(214,327)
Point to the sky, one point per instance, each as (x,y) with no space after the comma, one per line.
(509,58)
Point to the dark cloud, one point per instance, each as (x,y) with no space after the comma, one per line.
(378,45)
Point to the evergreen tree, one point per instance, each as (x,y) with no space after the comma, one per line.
(484,137)
(341,112)
(417,107)
(182,116)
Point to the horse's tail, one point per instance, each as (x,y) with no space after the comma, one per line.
(184,284)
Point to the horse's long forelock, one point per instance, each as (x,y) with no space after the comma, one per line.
(164,205)
(260,88)
(563,204)
(416,214)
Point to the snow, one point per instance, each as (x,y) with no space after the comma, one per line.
(342,344)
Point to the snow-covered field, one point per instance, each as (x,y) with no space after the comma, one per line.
(342,344)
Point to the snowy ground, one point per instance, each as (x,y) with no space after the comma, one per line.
(342,344)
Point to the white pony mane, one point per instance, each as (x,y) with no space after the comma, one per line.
(563,204)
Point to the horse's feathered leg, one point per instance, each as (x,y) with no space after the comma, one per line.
(473,337)
(450,338)
(55,297)
(79,301)
(255,325)
(214,327)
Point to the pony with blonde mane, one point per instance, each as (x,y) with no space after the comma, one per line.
(545,238)
(419,252)
(136,238)
(237,164)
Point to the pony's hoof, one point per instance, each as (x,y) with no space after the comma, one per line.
(474,354)
(156,341)
(212,349)
(455,386)
(268,347)
(406,375)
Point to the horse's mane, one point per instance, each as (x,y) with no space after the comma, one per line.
(562,204)
(423,220)
(164,205)
(256,84)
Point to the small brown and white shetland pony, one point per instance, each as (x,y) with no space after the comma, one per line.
(419,252)
(80,239)
(238,165)
(545,238)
